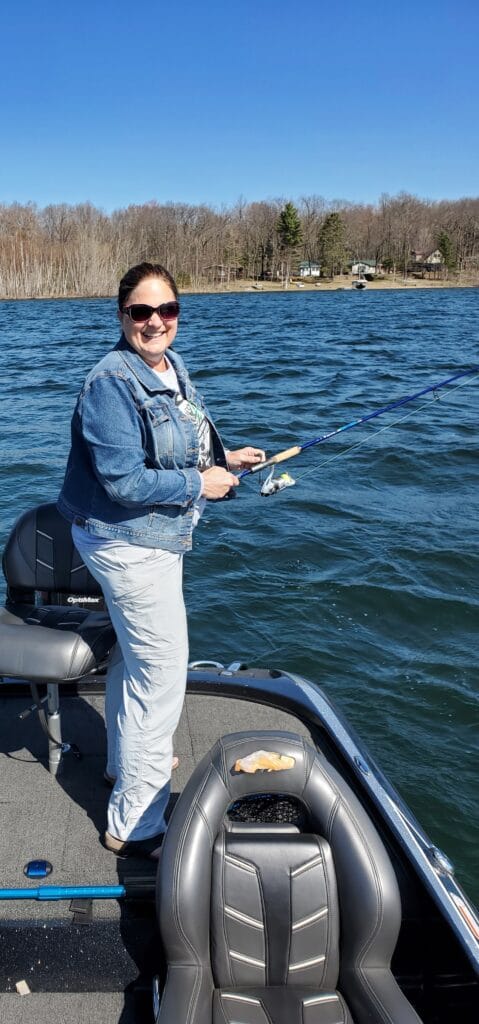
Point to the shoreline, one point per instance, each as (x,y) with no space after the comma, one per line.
(340,283)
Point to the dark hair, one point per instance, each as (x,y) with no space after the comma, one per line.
(136,274)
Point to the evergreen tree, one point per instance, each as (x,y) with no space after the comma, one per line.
(332,247)
(446,248)
(290,236)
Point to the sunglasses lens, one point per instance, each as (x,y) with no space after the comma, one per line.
(140,312)
(169,310)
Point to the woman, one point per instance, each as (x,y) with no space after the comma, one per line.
(144,458)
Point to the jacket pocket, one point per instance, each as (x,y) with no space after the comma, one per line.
(159,438)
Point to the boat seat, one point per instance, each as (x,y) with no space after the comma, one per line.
(273,923)
(53,628)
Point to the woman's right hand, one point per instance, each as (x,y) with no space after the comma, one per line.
(217,482)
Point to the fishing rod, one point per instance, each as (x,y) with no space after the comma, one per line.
(290,453)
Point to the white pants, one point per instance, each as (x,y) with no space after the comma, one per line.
(146,678)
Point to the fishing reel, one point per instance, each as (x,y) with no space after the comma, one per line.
(274,484)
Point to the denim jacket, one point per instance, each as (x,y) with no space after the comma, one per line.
(131,473)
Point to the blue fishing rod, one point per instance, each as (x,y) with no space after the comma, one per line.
(289,453)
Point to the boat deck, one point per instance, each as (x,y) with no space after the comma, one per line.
(109,949)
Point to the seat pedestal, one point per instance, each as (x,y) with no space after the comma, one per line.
(55,750)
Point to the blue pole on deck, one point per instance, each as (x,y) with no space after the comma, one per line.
(66,892)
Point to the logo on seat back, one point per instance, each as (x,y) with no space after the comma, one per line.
(84,600)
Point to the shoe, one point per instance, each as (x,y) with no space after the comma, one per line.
(149,847)
(110,779)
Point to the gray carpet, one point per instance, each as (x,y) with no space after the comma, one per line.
(82,1008)
(61,820)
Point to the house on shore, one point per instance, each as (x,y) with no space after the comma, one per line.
(309,268)
(427,258)
(429,262)
(364,268)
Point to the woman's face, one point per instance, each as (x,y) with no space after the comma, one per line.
(152,337)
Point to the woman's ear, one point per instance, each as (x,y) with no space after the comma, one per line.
(119,314)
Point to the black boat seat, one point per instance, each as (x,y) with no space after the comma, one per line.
(266,924)
(71,644)
(47,641)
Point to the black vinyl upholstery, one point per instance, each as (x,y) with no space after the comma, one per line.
(276,926)
(43,642)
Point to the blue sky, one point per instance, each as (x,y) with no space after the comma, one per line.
(117,103)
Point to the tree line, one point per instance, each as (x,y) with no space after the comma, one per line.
(67,250)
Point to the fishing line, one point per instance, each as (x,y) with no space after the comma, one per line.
(364,440)
(296,450)
(388,426)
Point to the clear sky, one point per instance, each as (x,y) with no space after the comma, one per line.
(205,102)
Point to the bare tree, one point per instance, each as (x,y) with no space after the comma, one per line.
(80,250)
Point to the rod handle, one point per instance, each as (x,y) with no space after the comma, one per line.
(280,457)
(287,454)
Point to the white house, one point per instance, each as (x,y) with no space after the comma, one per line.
(432,259)
(363,267)
(309,268)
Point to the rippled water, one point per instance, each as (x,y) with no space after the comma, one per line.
(363,577)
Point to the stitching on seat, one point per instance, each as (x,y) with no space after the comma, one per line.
(336,997)
(241,998)
(38,561)
(266,931)
(310,919)
(43,534)
(290,929)
(74,651)
(223,1010)
(341,803)
(244,959)
(313,863)
(246,999)
(245,865)
(344,1008)
(223,895)
(369,939)
(313,960)
(243,918)
(329,925)
(252,869)
(176,869)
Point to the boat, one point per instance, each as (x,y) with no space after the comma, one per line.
(360,283)
(265,761)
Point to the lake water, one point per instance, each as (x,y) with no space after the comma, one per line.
(364,576)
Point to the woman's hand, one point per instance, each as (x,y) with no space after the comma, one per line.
(244,458)
(217,482)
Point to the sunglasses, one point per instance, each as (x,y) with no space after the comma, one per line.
(139,312)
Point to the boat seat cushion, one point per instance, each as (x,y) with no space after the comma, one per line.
(53,643)
(274,906)
(275,930)
(281,1005)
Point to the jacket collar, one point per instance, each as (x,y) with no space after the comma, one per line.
(147,377)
